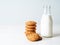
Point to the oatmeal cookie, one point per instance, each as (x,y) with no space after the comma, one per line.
(31,23)
(33,37)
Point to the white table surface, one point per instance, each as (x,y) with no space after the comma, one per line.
(14,35)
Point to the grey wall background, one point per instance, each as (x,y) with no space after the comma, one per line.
(15,12)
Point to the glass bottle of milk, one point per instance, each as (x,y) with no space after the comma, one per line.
(46,23)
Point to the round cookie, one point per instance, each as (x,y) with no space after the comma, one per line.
(29,32)
(30,23)
(33,37)
(31,27)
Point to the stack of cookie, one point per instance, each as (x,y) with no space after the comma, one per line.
(30,26)
(30,31)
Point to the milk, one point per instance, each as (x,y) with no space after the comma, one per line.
(46,23)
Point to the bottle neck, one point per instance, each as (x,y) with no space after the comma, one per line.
(47,10)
